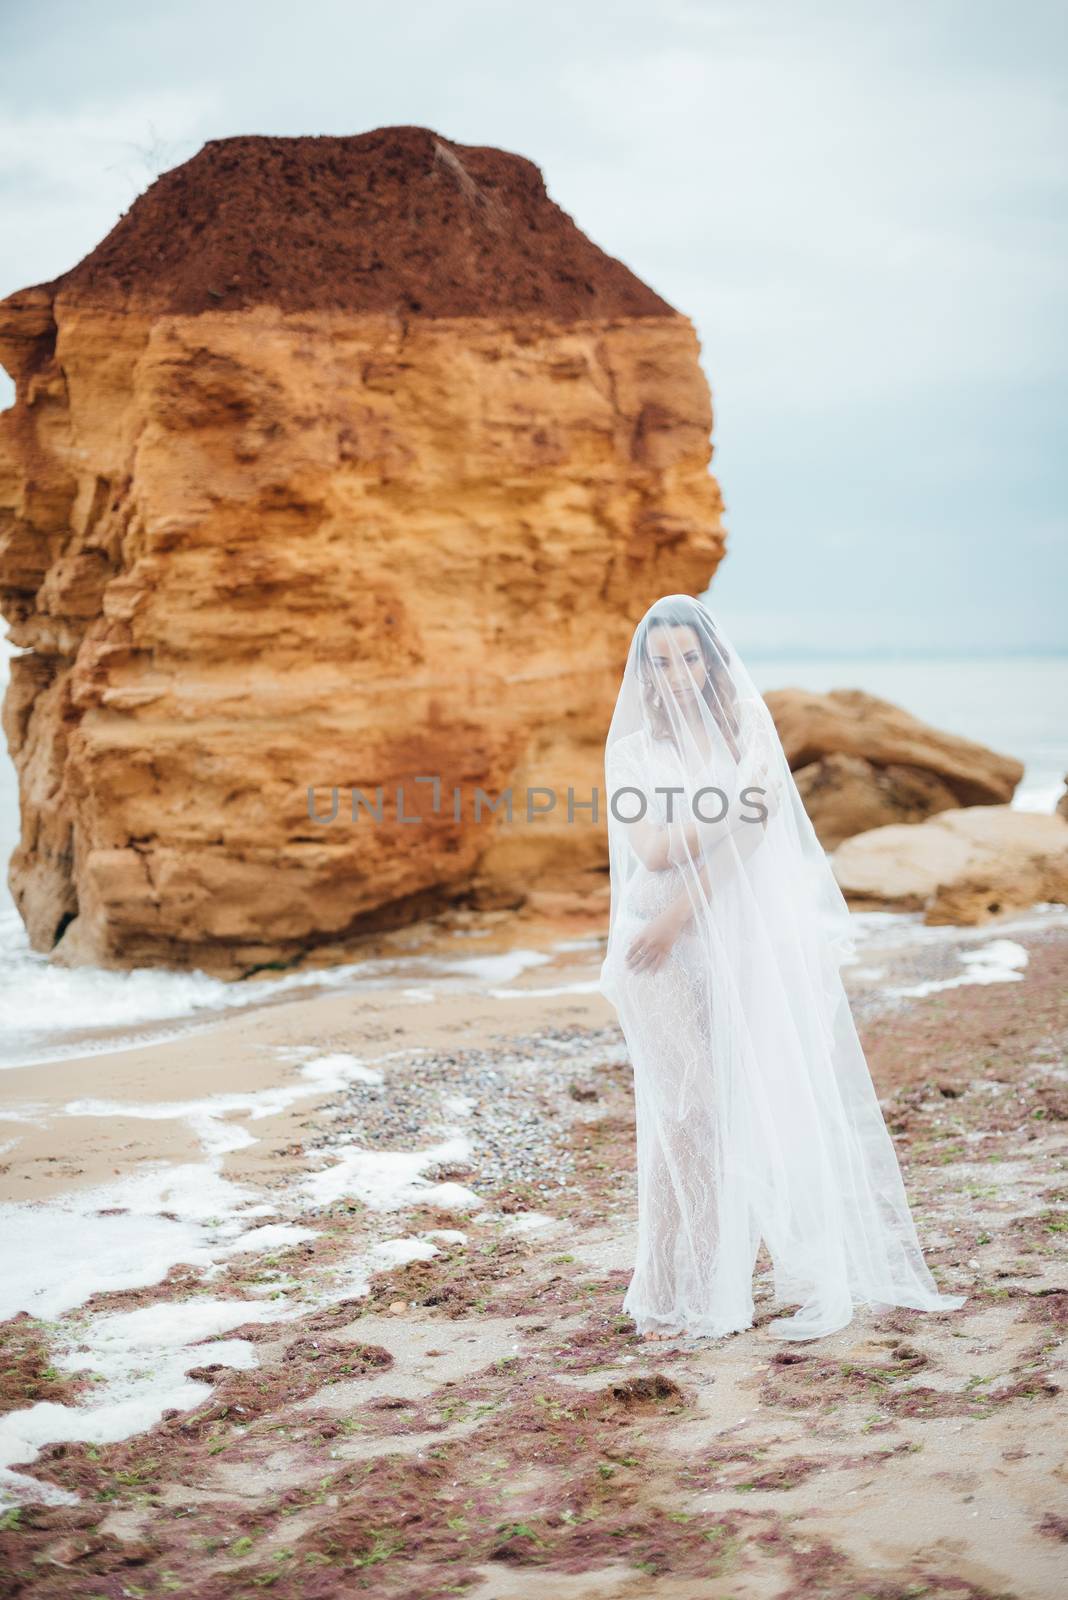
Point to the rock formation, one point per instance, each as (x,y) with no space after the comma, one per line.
(860,762)
(339,462)
(963,866)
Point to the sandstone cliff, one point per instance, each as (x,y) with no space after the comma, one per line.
(341,461)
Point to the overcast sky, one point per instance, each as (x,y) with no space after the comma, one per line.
(860,203)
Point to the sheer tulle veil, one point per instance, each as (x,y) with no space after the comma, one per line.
(757,1118)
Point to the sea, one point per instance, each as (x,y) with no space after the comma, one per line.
(1015,704)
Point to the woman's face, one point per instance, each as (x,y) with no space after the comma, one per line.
(676,662)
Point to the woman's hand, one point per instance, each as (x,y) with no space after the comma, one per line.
(649,948)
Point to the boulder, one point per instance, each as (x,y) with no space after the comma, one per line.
(845,794)
(860,762)
(964,866)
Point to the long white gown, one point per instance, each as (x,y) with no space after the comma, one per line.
(756,1116)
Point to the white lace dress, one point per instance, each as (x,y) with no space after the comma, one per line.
(682,1273)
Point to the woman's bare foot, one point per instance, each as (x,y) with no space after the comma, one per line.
(659,1337)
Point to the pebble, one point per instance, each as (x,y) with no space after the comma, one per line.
(522,1092)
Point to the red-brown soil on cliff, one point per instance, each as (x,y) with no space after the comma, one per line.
(397,220)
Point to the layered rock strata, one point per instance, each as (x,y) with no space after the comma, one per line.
(340,462)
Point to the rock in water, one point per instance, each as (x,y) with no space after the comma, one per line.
(340,461)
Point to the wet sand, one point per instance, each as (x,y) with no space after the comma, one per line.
(417,1379)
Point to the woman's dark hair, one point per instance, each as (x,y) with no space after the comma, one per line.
(717,691)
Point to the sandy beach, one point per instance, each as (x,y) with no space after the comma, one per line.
(324,1297)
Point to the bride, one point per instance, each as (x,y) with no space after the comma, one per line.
(755,1111)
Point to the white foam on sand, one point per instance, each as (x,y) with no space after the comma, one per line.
(883,928)
(122,1235)
(140,1359)
(78,999)
(531,1222)
(1000,961)
(888,930)
(129,1233)
(272,1236)
(81,1001)
(322,1075)
(587,986)
(396,1252)
(385,1180)
(352,1279)
(502,968)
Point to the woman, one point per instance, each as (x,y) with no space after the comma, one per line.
(755,1110)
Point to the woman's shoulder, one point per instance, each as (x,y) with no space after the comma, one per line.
(625,753)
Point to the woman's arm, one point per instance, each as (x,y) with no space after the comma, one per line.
(679,910)
(653,843)
(659,845)
(649,948)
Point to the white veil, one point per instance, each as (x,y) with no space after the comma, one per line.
(755,1109)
